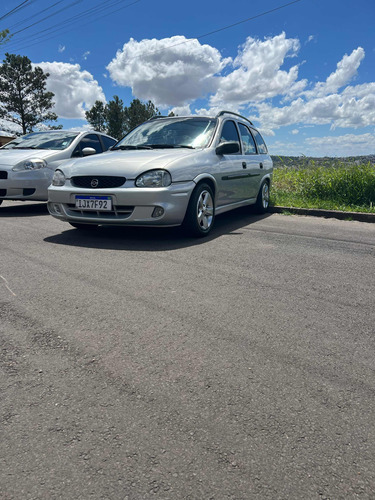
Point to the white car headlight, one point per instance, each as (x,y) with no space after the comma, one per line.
(58,178)
(154,179)
(32,164)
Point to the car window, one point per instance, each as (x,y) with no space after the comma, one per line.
(247,140)
(262,148)
(229,133)
(91,141)
(107,141)
(171,132)
(43,140)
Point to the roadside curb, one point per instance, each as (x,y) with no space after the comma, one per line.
(315,212)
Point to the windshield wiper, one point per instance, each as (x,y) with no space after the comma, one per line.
(25,147)
(169,146)
(129,147)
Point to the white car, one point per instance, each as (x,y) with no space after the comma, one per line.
(27,163)
(167,172)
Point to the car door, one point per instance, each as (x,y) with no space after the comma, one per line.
(230,174)
(265,161)
(250,162)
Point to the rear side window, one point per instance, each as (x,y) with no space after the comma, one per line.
(108,142)
(262,148)
(229,133)
(247,140)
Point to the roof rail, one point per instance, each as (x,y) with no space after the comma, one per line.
(155,117)
(231,113)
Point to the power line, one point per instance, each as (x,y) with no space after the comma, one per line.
(17,9)
(47,17)
(217,30)
(35,15)
(15,44)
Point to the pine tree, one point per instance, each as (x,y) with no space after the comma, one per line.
(114,114)
(138,112)
(23,94)
(96,116)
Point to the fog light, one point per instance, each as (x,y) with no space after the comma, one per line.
(56,208)
(158,212)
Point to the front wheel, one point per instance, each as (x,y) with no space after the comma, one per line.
(85,227)
(200,214)
(263,199)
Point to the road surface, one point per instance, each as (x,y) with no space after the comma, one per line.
(143,364)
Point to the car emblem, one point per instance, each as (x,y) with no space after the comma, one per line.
(94,183)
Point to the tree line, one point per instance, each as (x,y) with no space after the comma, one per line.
(116,119)
(26,102)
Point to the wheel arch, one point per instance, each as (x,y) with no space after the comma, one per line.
(208,179)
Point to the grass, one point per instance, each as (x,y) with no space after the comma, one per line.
(335,186)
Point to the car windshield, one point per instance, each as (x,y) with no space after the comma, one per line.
(43,140)
(170,133)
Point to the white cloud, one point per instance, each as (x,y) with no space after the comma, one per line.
(295,131)
(61,48)
(75,90)
(345,71)
(324,104)
(8,129)
(258,75)
(171,72)
(344,145)
(85,55)
(338,110)
(182,110)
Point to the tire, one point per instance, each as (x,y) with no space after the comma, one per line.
(200,214)
(263,199)
(84,227)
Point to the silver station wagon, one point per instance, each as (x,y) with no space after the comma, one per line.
(167,172)
(27,163)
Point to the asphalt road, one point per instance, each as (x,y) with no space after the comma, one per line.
(143,364)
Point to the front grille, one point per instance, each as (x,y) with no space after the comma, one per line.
(3,174)
(102,181)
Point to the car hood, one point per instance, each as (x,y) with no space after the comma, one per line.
(128,163)
(11,157)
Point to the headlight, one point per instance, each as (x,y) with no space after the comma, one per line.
(154,178)
(58,178)
(34,164)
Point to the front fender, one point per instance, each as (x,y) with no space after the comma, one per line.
(203,177)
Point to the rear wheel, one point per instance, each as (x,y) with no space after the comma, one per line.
(200,214)
(85,227)
(263,200)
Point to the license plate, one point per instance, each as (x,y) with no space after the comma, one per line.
(102,203)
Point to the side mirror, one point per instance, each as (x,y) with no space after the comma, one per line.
(88,151)
(228,148)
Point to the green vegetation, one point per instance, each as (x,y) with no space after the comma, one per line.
(23,95)
(329,185)
(117,119)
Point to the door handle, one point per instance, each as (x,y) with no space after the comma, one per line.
(261,165)
(244,164)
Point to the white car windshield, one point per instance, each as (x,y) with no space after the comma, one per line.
(43,140)
(170,133)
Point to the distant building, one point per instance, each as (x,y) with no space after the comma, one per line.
(4,139)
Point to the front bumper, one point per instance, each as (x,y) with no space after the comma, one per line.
(25,185)
(130,205)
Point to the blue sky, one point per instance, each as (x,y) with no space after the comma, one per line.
(305,73)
